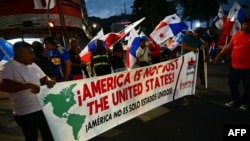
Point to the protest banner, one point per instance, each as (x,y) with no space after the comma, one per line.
(83,109)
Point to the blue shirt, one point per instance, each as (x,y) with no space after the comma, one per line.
(59,56)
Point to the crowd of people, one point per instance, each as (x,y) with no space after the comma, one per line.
(49,62)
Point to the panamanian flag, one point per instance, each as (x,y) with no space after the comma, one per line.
(85,54)
(170,26)
(232,23)
(109,39)
(234,19)
(219,19)
(6,50)
(175,41)
(132,46)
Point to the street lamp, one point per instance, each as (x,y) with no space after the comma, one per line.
(48,18)
(94,28)
(51,24)
(94,25)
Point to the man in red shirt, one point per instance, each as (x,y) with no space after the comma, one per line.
(155,51)
(240,65)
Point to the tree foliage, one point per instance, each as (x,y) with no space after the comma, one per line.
(156,10)
(106,23)
(202,10)
(153,10)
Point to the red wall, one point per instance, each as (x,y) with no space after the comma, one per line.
(17,7)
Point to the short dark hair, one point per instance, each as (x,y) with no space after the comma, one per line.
(246,19)
(117,47)
(37,47)
(49,39)
(199,31)
(20,46)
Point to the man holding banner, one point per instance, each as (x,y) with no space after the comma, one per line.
(143,54)
(22,78)
(193,42)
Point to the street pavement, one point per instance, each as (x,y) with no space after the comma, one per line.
(202,119)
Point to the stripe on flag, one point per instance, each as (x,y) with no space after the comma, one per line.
(170,26)
(132,46)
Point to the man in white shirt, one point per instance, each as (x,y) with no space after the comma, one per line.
(142,54)
(22,78)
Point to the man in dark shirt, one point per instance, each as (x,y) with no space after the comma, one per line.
(42,60)
(117,58)
(100,64)
(77,65)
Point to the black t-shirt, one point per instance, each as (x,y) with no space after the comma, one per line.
(75,58)
(117,62)
(46,65)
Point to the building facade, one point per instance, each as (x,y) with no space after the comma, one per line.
(30,18)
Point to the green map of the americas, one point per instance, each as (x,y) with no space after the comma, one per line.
(61,104)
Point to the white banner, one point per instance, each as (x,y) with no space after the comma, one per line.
(83,109)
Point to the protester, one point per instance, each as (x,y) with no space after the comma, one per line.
(77,65)
(143,54)
(212,50)
(117,59)
(42,60)
(224,57)
(240,65)
(22,78)
(195,42)
(60,58)
(166,53)
(155,51)
(176,52)
(100,60)
(212,44)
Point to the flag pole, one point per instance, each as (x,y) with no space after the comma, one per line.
(5,53)
(129,28)
(205,63)
(205,68)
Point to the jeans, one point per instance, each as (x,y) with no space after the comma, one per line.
(31,124)
(235,76)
